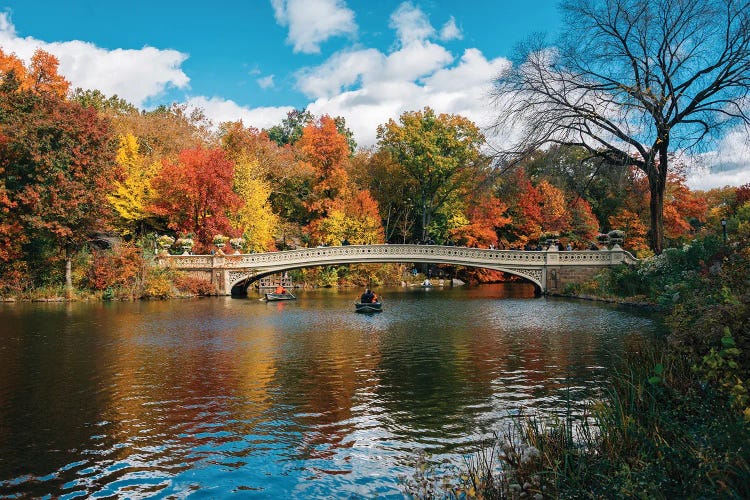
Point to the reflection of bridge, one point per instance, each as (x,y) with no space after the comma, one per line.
(549,270)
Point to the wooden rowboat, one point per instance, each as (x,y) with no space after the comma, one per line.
(271,297)
(368,307)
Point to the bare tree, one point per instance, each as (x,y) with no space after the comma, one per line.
(632,81)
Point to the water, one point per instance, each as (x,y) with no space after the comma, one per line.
(210,397)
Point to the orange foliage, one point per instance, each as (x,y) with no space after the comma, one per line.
(120,267)
(554,209)
(485,216)
(41,75)
(8,63)
(583,224)
(195,194)
(634,228)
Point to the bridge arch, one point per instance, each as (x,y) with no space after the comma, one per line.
(239,282)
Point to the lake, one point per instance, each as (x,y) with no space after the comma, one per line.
(209,397)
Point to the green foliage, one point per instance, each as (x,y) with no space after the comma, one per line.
(658,433)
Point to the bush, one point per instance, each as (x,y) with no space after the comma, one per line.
(194,285)
(118,268)
(158,283)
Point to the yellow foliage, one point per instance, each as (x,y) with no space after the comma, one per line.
(254,219)
(131,196)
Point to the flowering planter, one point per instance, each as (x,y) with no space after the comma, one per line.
(236,244)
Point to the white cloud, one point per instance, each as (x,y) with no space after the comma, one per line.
(314,21)
(385,93)
(411,24)
(134,75)
(729,165)
(339,72)
(265,82)
(219,110)
(450,31)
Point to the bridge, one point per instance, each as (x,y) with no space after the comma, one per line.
(550,270)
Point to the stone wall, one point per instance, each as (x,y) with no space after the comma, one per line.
(560,276)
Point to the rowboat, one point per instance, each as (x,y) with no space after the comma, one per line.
(366,307)
(272,297)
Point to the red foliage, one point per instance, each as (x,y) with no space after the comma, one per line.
(194,285)
(118,267)
(741,195)
(195,194)
(485,216)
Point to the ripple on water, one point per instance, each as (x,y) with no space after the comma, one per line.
(303,399)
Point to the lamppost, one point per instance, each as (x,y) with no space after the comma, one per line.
(724,228)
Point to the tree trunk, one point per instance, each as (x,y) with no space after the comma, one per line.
(657,219)
(68,274)
(657,182)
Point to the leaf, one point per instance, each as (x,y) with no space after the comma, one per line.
(659,369)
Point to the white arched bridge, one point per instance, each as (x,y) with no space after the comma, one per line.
(550,270)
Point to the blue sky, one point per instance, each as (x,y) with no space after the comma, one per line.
(255,60)
(272,54)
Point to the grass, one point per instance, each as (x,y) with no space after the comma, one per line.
(657,433)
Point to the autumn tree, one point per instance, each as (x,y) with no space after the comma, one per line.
(326,150)
(59,162)
(631,81)
(289,177)
(254,219)
(132,192)
(439,153)
(339,211)
(392,187)
(484,217)
(195,194)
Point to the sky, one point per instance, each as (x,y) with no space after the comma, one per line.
(255,60)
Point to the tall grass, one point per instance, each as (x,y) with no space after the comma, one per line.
(657,433)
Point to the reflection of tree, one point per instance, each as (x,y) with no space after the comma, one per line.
(321,381)
(50,396)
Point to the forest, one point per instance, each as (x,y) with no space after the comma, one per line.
(90,183)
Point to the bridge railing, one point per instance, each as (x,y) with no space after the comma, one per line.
(401,253)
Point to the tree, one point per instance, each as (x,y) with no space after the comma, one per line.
(291,127)
(440,153)
(326,150)
(59,162)
(43,76)
(631,81)
(195,194)
(132,192)
(254,219)
(109,105)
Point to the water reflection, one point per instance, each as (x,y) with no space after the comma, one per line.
(288,398)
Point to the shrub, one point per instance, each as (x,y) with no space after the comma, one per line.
(158,283)
(194,285)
